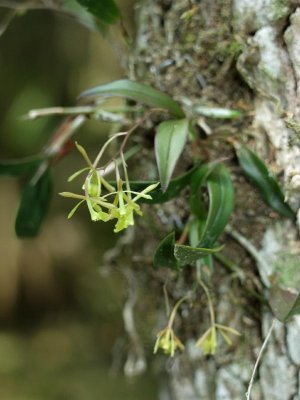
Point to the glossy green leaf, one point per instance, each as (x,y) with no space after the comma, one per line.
(106,10)
(175,256)
(268,187)
(170,141)
(217,112)
(138,92)
(188,254)
(198,180)
(21,167)
(284,303)
(34,205)
(196,228)
(164,254)
(221,201)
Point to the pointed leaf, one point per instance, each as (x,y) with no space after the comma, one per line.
(106,10)
(217,112)
(164,254)
(138,92)
(34,206)
(198,180)
(285,303)
(205,263)
(158,196)
(268,187)
(169,144)
(21,167)
(221,201)
(187,254)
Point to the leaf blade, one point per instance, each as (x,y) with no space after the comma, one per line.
(221,201)
(188,254)
(20,167)
(158,196)
(137,92)
(164,253)
(257,173)
(33,206)
(170,141)
(105,10)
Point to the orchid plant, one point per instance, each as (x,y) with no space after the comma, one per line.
(124,201)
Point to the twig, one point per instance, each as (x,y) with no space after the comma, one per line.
(231,266)
(63,134)
(11,14)
(248,394)
(82,110)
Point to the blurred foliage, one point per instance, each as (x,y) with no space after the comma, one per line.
(60,319)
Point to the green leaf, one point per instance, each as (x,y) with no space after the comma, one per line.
(170,140)
(106,10)
(196,227)
(198,180)
(218,113)
(21,167)
(174,256)
(268,187)
(138,92)
(34,205)
(284,303)
(187,254)
(217,179)
(158,196)
(164,254)
(221,202)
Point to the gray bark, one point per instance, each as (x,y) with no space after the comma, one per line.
(195,62)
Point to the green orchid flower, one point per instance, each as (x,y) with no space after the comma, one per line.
(208,341)
(121,208)
(168,342)
(127,205)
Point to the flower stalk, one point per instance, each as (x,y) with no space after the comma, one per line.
(166,340)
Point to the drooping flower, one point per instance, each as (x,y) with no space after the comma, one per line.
(168,342)
(208,341)
(126,205)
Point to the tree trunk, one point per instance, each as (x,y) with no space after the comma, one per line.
(235,54)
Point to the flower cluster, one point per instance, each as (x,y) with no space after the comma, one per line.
(168,342)
(123,204)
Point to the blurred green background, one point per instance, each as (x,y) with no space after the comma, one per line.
(61,332)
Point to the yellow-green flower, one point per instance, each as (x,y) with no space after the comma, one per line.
(122,208)
(168,342)
(126,206)
(123,205)
(208,341)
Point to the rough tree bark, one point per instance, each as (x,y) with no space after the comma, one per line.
(239,54)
